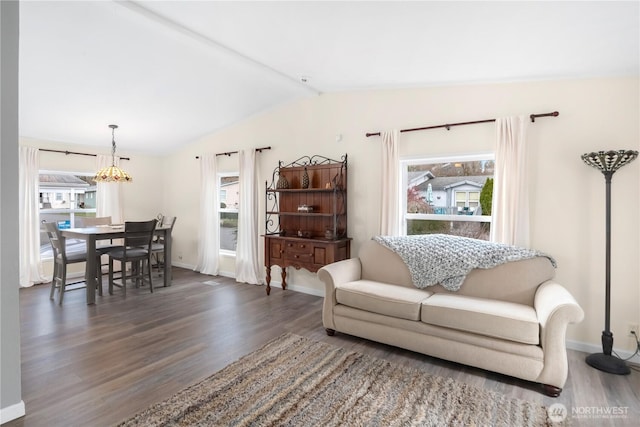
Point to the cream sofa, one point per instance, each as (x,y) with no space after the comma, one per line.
(510,319)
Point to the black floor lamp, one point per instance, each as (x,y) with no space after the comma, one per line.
(608,162)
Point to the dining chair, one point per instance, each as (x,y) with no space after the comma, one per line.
(136,250)
(61,259)
(157,246)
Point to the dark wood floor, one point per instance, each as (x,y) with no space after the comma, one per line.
(97,365)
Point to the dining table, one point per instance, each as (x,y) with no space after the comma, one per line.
(91,235)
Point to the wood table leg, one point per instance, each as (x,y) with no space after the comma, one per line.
(284,278)
(91,268)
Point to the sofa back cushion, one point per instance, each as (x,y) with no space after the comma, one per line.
(515,281)
(381,264)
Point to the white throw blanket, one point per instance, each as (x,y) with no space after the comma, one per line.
(444,259)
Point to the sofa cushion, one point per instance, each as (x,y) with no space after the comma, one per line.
(381,264)
(499,319)
(382,298)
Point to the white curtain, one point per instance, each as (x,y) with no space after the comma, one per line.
(29,224)
(247,263)
(510,206)
(109,194)
(209,243)
(390,185)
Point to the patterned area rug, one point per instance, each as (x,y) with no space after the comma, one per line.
(293,381)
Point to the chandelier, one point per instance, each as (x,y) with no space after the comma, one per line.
(112,173)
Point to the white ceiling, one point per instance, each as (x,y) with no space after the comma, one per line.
(169,72)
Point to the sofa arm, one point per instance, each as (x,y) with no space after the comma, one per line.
(333,275)
(556,309)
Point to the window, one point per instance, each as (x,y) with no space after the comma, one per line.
(64,197)
(448,195)
(228,191)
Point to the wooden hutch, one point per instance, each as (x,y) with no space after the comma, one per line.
(306,215)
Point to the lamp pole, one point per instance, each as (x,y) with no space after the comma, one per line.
(608,162)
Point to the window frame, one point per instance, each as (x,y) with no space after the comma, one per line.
(405,162)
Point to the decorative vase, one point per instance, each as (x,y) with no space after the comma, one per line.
(282,183)
(305,179)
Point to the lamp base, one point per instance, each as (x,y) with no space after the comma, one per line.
(608,363)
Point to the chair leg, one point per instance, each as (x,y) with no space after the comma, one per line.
(123,267)
(63,282)
(53,280)
(149,273)
(110,276)
(99,274)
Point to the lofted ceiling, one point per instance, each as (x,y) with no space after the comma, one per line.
(169,72)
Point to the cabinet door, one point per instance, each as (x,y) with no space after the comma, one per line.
(276,250)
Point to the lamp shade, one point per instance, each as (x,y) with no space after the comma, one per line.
(112,174)
(609,161)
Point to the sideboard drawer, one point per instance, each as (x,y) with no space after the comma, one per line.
(297,247)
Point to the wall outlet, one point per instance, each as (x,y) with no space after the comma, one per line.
(633,327)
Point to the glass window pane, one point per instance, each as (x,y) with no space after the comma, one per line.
(229,196)
(450,187)
(228,231)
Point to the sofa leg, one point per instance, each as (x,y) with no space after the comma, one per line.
(551,391)
(330,332)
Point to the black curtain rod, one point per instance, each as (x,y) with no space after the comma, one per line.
(229,153)
(76,153)
(533,118)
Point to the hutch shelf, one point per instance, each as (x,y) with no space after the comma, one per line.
(306,215)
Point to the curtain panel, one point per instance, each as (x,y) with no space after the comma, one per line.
(510,205)
(31,271)
(390,185)
(209,242)
(247,262)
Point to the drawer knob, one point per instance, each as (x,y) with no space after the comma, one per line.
(302,246)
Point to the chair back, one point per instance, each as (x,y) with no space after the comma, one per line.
(139,233)
(168,221)
(92,222)
(57,241)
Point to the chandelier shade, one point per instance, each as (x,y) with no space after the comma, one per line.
(112,173)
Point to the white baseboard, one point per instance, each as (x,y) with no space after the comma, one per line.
(593,348)
(12,412)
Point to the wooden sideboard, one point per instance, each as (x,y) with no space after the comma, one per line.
(310,254)
(306,215)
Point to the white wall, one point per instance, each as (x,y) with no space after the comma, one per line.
(567,196)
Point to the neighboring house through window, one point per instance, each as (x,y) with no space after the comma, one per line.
(228,191)
(449,195)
